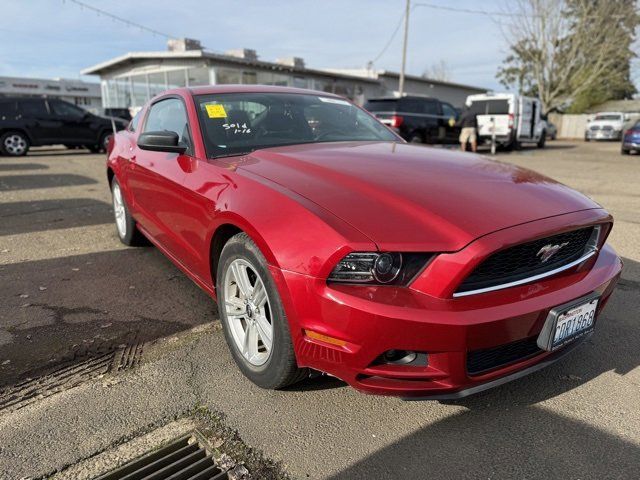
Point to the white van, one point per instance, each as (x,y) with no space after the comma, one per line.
(516,119)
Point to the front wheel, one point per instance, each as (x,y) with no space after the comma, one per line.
(128,232)
(14,144)
(253,319)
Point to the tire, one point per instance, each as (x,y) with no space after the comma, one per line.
(102,143)
(126,228)
(271,366)
(624,151)
(14,144)
(543,139)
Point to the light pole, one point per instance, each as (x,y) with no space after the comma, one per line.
(404,47)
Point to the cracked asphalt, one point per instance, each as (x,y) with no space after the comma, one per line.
(70,291)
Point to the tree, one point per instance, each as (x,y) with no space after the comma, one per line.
(570,53)
(438,71)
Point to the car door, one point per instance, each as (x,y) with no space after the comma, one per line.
(450,117)
(431,115)
(156,181)
(42,127)
(76,126)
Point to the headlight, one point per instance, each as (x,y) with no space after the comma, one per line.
(379,268)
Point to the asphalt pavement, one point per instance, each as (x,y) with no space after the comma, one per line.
(71,295)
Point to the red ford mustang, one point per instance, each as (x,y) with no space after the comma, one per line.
(331,244)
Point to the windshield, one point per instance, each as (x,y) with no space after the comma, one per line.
(239,123)
(608,117)
(489,107)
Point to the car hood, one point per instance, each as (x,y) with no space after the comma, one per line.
(410,197)
(602,123)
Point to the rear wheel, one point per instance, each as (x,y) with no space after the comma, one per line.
(102,143)
(128,232)
(255,325)
(14,144)
(624,151)
(542,140)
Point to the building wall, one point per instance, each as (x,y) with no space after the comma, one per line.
(132,86)
(83,94)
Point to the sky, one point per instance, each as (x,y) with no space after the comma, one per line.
(57,38)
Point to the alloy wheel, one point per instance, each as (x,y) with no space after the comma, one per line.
(119,211)
(248,312)
(15,144)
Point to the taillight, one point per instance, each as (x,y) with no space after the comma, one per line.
(396,121)
(510,121)
(629,132)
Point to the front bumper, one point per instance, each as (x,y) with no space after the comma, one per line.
(370,320)
(603,134)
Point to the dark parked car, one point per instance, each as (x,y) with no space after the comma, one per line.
(631,139)
(417,119)
(27,122)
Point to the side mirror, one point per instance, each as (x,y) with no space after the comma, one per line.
(164,141)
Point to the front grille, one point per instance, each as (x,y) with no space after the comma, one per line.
(607,127)
(480,361)
(525,260)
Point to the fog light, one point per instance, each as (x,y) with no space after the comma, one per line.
(399,357)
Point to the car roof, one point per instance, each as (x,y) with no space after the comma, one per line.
(213,89)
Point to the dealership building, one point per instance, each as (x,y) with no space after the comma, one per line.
(83,94)
(128,81)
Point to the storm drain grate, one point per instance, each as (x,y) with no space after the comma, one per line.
(185,458)
(69,376)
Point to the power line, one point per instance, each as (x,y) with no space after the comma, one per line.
(468,10)
(388,44)
(120,19)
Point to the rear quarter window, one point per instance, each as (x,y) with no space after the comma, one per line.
(389,105)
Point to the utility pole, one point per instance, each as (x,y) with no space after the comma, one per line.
(404,47)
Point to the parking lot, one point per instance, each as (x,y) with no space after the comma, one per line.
(72,295)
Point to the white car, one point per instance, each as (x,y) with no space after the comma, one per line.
(605,126)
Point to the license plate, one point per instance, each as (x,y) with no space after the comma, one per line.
(569,322)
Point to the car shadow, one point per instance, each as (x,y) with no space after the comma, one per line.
(510,432)
(47,152)
(7,167)
(501,441)
(66,309)
(49,180)
(40,215)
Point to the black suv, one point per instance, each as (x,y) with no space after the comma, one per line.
(26,122)
(417,119)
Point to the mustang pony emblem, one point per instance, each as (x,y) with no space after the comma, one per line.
(549,251)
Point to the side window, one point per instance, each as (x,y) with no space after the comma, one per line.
(133,124)
(169,115)
(67,110)
(409,105)
(448,111)
(431,108)
(32,108)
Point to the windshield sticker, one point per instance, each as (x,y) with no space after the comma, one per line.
(237,127)
(216,111)
(337,101)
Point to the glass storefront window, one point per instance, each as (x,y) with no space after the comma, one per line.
(249,78)
(157,83)
(139,92)
(227,75)
(176,78)
(198,76)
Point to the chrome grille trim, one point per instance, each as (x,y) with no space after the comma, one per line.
(529,279)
